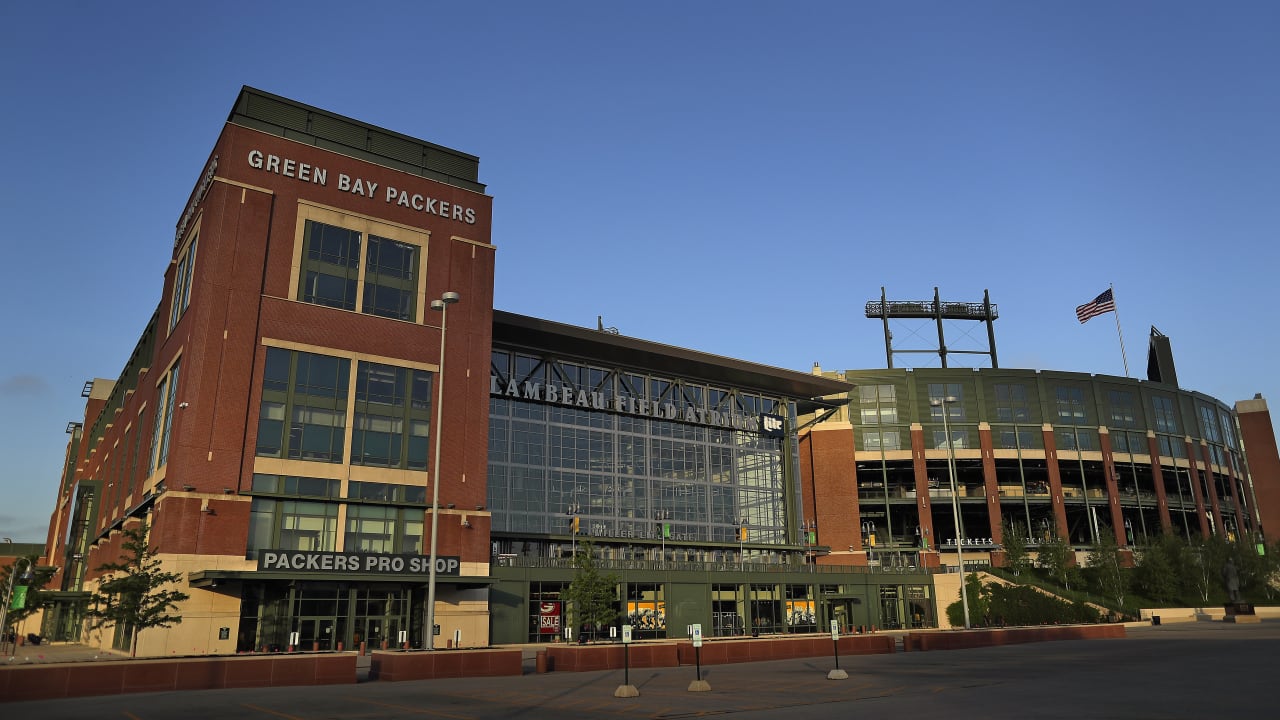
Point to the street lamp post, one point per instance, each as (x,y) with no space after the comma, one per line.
(810,530)
(572,512)
(869,530)
(442,305)
(944,403)
(660,519)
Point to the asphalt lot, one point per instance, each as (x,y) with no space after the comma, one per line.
(1185,670)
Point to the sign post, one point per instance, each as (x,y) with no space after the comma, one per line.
(836,674)
(626,689)
(698,685)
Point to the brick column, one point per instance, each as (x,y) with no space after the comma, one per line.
(1055,482)
(830,491)
(1211,487)
(1194,473)
(1157,476)
(929,557)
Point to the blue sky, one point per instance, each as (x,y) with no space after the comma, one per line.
(735,177)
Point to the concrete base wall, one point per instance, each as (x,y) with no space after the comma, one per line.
(1011,636)
(1193,614)
(422,665)
(47,682)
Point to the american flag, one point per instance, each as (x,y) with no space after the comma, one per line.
(1104,303)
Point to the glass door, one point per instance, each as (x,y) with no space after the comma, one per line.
(317,633)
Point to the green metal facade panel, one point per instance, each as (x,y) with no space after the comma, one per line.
(305,124)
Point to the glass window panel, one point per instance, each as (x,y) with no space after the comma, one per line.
(330,259)
(390,281)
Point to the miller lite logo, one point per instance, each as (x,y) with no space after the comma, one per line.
(771,425)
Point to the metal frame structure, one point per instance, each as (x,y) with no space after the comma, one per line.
(938,311)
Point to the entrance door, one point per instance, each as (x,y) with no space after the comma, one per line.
(382,629)
(840,613)
(316,632)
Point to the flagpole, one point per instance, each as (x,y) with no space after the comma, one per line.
(1123,356)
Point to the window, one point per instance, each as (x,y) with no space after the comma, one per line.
(307,393)
(1209,424)
(330,266)
(1071,439)
(1011,403)
(386,492)
(166,391)
(383,529)
(393,417)
(330,272)
(304,411)
(1071,407)
(391,279)
(182,283)
(296,486)
(1019,439)
(1124,410)
(959,439)
(881,440)
(878,404)
(292,525)
(953,395)
(1228,429)
(1166,415)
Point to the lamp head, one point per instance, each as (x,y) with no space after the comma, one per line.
(450,298)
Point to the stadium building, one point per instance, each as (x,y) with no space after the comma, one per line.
(326,400)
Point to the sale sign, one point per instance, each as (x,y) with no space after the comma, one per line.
(549,618)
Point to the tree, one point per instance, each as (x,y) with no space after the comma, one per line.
(34,595)
(132,594)
(1204,558)
(979,595)
(1104,564)
(1057,559)
(1159,565)
(1014,539)
(592,597)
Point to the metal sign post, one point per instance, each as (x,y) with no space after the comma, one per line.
(626,689)
(836,674)
(698,685)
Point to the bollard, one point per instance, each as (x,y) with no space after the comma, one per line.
(315,646)
(364,648)
(540,662)
(340,645)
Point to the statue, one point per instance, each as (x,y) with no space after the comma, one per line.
(1231,580)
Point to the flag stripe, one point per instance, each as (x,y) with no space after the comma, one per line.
(1104,303)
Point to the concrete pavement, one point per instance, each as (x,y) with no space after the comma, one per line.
(1185,670)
